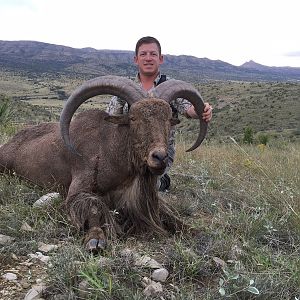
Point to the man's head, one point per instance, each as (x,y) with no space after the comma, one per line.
(148,56)
(147,40)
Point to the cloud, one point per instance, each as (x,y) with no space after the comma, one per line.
(232,31)
(293,54)
(15,3)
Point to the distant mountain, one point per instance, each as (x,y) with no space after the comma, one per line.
(34,58)
(253,65)
(283,71)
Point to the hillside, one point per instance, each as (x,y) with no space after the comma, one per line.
(239,201)
(30,57)
(44,75)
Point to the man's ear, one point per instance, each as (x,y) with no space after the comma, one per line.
(175,121)
(117,119)
(161,59)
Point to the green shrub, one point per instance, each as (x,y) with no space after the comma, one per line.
(248,135)
(6,111)
(263,139)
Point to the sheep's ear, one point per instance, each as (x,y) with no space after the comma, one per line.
(175,121)
(117,119)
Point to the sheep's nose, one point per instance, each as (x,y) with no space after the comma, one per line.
(157,161)
(159,156)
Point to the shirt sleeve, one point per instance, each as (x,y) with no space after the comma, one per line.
(181,105)
(116,106)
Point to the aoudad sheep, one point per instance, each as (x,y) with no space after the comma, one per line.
(106,167)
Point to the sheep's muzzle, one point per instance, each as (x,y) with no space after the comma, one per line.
(157,161)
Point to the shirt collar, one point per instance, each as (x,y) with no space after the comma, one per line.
(156,80)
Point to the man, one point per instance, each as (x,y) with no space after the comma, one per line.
(148,59)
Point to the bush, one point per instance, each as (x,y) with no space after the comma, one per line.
(6,111)
(248,135)
(263,139)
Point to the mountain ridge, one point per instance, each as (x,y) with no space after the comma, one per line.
(39,57)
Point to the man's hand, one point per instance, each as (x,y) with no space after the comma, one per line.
(207,114)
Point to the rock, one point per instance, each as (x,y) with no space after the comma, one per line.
(46,247)
(27,263)
(83,289)
(146,262)
(5,240)
(39,256)
(39,281)
(46,200)
(35,292)
(152,289)
(14,256)
(126,252)
(235,252)
(160,275)
(146,281)
(10,276)
(104,262)
(140,261)
(220,262)
(25,284)
(26,227)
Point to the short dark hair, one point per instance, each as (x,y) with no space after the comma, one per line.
(147,40)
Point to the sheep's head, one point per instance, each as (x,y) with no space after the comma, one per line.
(150,123)
(149,120)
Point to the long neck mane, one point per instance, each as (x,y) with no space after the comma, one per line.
(139,205)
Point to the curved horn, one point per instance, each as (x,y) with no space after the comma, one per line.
(172,89)
(112,85)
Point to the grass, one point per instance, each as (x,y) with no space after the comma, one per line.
(252,203)
(267,107)
(244,201)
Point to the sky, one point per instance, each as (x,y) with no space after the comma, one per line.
(234,31)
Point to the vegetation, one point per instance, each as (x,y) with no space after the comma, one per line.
(242,199)
(36,58)
(6,111)
(252,230)
(269,108)
(248,135)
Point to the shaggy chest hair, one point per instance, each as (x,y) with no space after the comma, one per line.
(138,205)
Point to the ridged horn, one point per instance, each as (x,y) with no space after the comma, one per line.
(113,85)
(173,89)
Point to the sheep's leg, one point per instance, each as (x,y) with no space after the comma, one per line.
(89,213)
(84,213)
(95,240)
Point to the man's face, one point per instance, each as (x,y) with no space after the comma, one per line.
(148,59)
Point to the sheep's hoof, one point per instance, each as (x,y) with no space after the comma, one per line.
(95,246)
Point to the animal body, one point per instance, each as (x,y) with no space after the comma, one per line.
(106,166)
